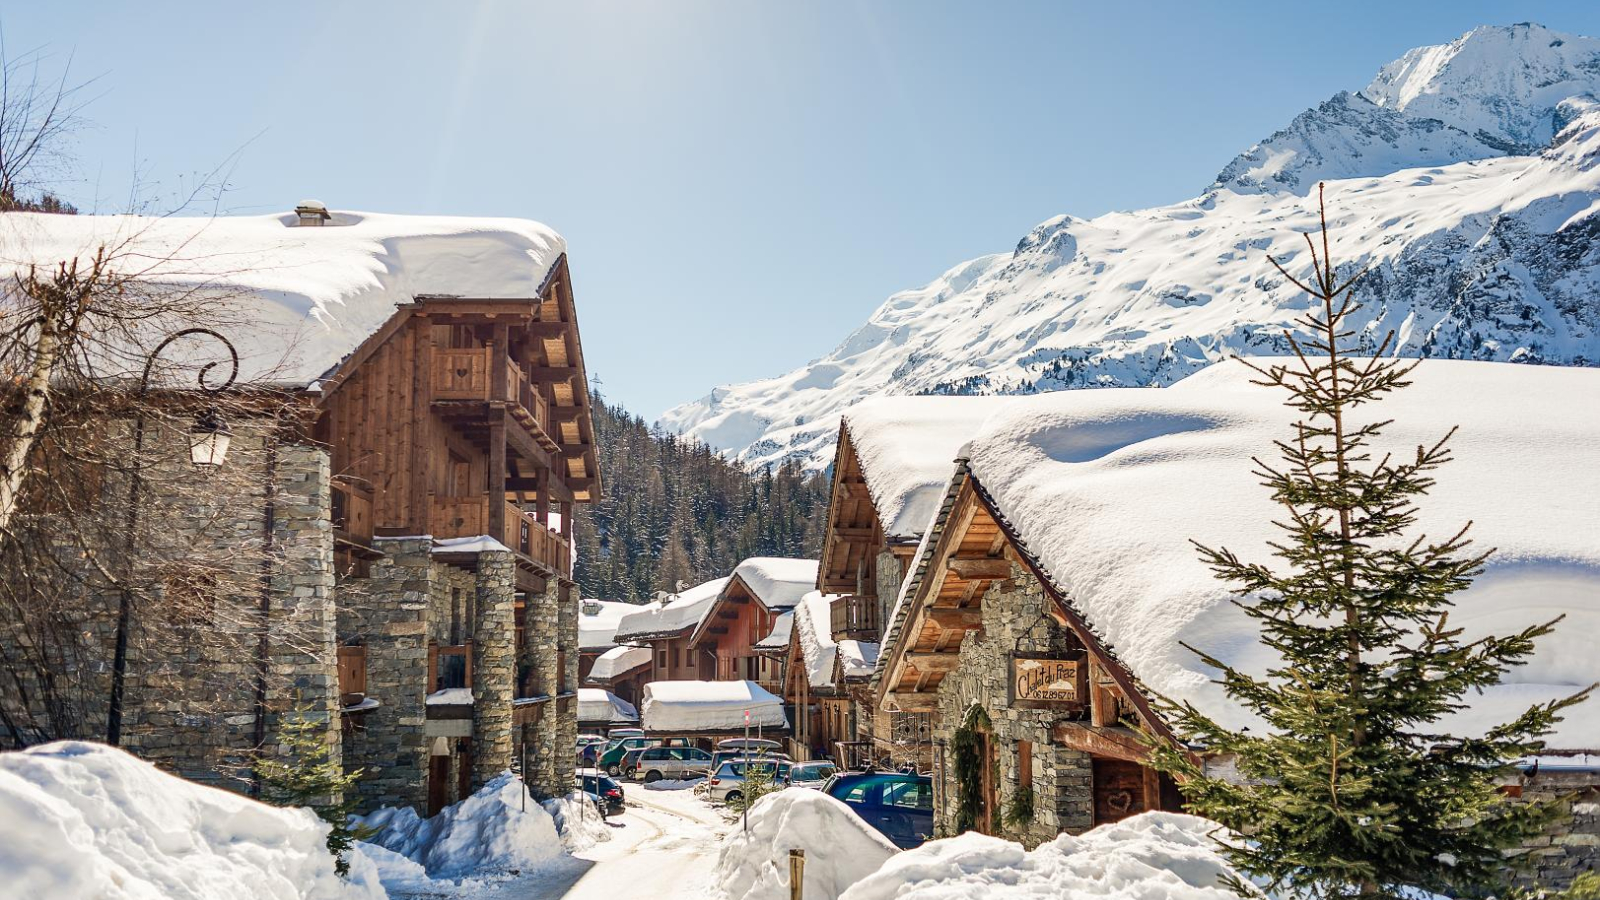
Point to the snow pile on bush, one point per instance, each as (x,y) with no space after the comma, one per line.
(489,832)
(80,820)
(577,821)
(1151,856)
(841,849)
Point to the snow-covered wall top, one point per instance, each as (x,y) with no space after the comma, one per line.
(906,446)
(814,628)
(1465,176)
(857,658)
(691,706)
(778,582)
(684,610)
(617,661)
(782,630)
(1107,488)
(600,705)
(304,298)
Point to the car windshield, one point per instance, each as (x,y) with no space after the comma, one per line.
(812,773)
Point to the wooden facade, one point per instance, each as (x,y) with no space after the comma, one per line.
(464,417)
(854,550)
(727,637)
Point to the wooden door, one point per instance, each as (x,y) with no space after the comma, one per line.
(438,784)
(988,813)
(1119,790)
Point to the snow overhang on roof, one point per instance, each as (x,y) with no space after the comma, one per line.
(301,299)
(676,618)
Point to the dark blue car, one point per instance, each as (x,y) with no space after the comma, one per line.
(897,804)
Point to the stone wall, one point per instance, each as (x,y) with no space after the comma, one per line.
(1572,845)
(1013,620)
(540,655)
(389,611)
(566,759)
(494,665)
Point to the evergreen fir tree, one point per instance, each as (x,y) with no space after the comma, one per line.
(1353,789)
(306,775)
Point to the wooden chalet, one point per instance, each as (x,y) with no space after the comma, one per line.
(743,614)
(667,628)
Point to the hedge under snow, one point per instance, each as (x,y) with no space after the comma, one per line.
(81,820)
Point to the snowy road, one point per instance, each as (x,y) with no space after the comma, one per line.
(662,846)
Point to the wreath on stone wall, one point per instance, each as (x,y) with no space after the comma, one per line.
(966,751)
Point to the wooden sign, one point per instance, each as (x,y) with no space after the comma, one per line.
(1047,681)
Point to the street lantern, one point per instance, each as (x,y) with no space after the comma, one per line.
(208,441)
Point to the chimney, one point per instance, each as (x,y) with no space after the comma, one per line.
(312,212)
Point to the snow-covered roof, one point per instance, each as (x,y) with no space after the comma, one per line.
(813,629)
(598,621)
(857,658)
(618,661)
(308,296)
(778,582)
(778,637)
(700,706)
(907,447)
(1107,488)
(683,611)
(600,705)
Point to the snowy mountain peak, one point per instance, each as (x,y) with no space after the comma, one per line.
(1465,178)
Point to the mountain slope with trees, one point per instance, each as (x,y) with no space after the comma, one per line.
(674,511)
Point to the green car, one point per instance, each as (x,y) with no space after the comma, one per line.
(610,761)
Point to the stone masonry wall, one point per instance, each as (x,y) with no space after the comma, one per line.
(494,665)
(541,627)
(391,615)
(1013,620)
(566,759)
(1572,845)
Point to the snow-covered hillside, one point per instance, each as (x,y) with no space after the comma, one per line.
(1466,176)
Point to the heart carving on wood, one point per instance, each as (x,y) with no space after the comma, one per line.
(461,373)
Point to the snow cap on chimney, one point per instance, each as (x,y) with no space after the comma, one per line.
(312,212)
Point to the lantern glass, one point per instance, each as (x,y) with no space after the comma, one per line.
(208,441)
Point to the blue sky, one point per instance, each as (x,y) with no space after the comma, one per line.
(740,183)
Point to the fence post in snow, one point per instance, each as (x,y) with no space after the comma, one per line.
(797,873)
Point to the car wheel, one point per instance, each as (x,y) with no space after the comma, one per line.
(613,770)
(652,777)
(732,797)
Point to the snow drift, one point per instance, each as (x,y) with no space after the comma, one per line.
(841,849)
(82,821)
(490,832)
(1151,856)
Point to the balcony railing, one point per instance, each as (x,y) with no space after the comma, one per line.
(854,617)
(466,374)
(468,516)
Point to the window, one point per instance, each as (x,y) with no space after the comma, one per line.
(858,792)
(909,795)
(688,657)
(663,663)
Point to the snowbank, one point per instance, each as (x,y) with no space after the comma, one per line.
(80,820)
(684,610)
(674,784)
(841,849)
(600,705)
(577,821)
(487,833)
(694,706)
(310,296)
(1108,487)
(778,582)
(1152,856)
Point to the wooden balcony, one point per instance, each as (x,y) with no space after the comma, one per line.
(453,517)
(352,513)
(854,617)
(468,375)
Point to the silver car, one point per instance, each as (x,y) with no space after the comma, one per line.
(727,783)
(657,763)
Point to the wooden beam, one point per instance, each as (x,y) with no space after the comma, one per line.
(982,568)
(576,449)
(910,701)
(552,373)
(948,618)
(497,477)
(718,629)
(1116,743)
(853,535)
(550,329)
(933,662)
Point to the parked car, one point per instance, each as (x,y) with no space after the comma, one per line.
(589,748)
(899,805)
(752,744)
(624,732)
(609,791)
(722,756)
(610,761)
(727,783)
(813,774)
(629,766)
(656,763)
